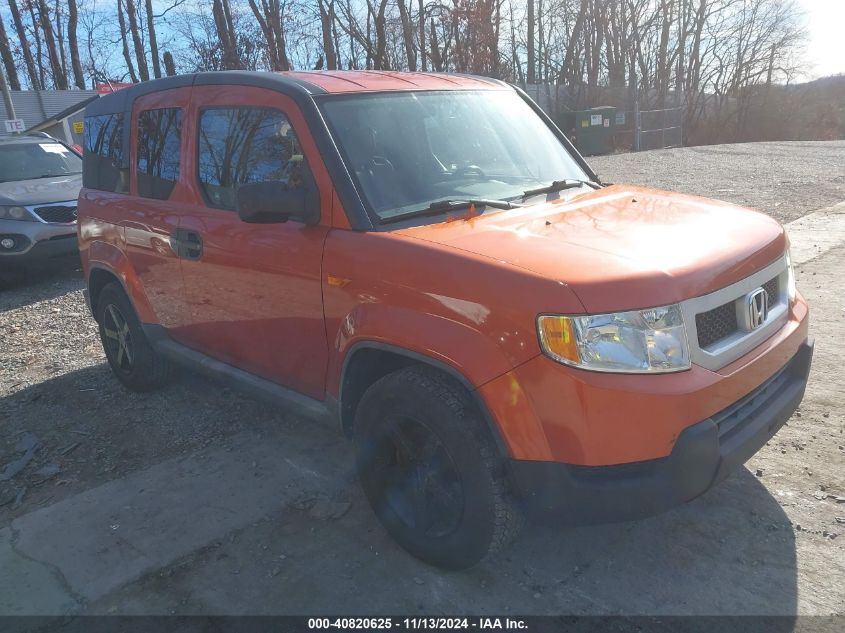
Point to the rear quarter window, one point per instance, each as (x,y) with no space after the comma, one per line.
(159,146)
(103,154)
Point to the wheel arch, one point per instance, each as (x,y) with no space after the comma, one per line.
(368,361)
(108,259)
(98,278)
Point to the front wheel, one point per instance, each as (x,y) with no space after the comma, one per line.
(431,471)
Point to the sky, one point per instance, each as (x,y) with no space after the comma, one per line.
(826,30)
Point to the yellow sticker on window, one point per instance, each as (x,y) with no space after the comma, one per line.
(78,127)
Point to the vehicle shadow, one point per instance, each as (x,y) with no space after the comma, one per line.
(25,286)
(730,552)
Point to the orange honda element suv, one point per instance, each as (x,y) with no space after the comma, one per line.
(428,260)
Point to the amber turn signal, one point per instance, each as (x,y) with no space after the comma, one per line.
(558,337)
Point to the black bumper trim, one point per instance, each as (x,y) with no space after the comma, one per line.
(704,454)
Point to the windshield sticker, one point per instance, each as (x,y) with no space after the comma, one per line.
(53,148)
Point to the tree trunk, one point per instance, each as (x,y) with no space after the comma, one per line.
(421,19)
(326,23)
(59,79)
(73,44)
(662,60)
(169,65)
(380,61)
(532,62)
(226,34)
(8,60)
(276,20)
(436,57)
(27,54)
(39,58)
(408,35)
(140,54)
(517,64)
(270,17)
(127,56)
(572,45)
(151,34)
(60,42)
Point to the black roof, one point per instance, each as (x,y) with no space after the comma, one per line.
(121,100)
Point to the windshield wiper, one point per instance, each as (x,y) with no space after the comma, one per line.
(556,185)
(440,206)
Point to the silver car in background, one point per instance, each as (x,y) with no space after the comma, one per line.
(40,179)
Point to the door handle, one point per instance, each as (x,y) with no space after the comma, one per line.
(187,244)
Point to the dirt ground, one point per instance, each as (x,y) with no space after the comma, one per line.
(197,500)
(785,180)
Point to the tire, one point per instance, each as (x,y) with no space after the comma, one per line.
(431,470)
(130,355)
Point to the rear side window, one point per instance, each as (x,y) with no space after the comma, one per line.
(159,143)
(246,145)
(103,155)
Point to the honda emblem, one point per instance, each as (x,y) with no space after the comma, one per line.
(757,306)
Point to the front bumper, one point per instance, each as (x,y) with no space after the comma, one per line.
(61,245)
(703,455)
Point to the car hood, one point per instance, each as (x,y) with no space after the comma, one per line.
(622,247)
(40,190)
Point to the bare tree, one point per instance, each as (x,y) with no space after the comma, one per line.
(137,41)
(327,19)
(270,16)
(8,60)
(226,33)
(127,55)
(73,44)
(24,44)
(153,38)
(169,64)
(532,61)
(58,76)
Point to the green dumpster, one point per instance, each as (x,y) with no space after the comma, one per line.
(591,130)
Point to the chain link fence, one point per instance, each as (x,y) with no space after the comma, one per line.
(656,129)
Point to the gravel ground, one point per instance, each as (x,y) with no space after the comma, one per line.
(785,180)
(55,384)
(779,531)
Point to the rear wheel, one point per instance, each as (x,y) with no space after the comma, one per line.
(431,471)
(130,355)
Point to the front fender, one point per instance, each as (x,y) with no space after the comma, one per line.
(471,313)
(466,350)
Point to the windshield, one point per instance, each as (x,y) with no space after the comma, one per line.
(27,161)
(409,149)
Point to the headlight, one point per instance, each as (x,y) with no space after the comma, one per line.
(640,341)
(16,213)
(790,279)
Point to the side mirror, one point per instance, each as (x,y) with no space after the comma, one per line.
(272,202)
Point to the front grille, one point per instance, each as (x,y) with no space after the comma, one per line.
(60,214)
(771,288)
(719,323)
(731,420)
(716,324)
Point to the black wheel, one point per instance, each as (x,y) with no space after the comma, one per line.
(130,355)
(431,471)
